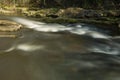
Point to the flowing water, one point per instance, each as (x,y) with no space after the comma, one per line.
(50,51)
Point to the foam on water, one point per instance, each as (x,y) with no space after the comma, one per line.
(40,26)
(53,27)
(98,35)
(26,47)
(105,51)
(93,34)
(108,48)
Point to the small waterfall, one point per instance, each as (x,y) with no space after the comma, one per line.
(78,29)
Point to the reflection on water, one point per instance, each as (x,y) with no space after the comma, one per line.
(26,47)
(66,55)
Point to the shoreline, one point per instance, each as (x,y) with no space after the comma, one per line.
(50,16)
(69,14)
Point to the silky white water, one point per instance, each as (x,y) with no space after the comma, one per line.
(51,51)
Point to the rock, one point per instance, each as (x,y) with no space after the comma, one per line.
(78,13)
(8,29)
(8,26)
(90,14)
(2,11)
(69,12)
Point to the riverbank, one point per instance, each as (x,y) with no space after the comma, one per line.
(66,15)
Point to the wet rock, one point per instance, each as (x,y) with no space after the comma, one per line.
(9,29)
(78,13)
(3,11)
(69,12)
(6,25)
(84,13)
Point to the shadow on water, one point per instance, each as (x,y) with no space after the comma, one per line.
(62,55)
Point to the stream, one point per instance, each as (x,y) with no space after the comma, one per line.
(51,51)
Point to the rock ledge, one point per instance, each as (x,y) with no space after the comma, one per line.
(8,26)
